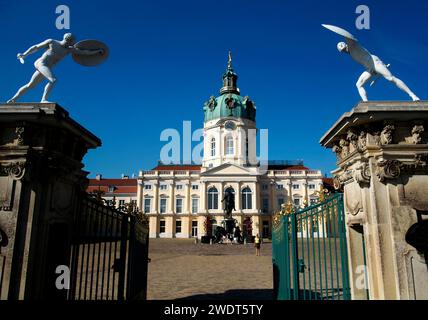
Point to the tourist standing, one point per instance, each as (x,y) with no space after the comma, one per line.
(257,244)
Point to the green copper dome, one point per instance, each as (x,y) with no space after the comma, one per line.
(230,103)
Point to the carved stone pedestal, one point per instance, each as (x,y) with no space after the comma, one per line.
(41,180)
(382,156)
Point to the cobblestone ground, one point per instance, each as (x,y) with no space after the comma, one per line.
(181,269)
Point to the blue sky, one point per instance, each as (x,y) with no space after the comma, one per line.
(167,58)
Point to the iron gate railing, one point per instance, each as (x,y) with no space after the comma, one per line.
(309,252)
(109,254)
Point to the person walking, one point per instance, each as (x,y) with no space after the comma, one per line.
(257,244)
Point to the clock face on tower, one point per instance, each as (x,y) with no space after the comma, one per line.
(230,125)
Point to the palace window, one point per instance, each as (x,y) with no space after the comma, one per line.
(247,198)
(147,187)
(195,187)
(313,201)
(213,198)
(229,145)
(297,202)
(296,186)
(311,186)
(195,205)
(162,226)
(163,186)
(179,187)
(265,186)
(147,204)
(212,147)
(179,205)
(280,202)
(280,186)
(178,226)
(163,205)
(265,205)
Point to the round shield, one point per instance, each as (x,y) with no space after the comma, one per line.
(340,31)
(90,60)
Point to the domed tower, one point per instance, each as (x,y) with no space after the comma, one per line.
(229,125)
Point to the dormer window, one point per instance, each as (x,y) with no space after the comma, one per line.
(111,189)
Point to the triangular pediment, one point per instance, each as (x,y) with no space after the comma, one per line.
(227,169)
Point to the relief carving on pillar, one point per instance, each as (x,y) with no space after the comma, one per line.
(19,135)
(362,140)
(352,137)
(362,174)
(388,169)
(417,131)
(375,138)
(341,179)
(338,151)
(354,201)
(386,134)
(15,170)
(344,145)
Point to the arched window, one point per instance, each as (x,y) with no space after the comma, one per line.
(230,189)
(229,145)
(212,198)
(212,147)
(247,198)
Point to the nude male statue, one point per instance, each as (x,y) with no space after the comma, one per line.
(374,66)
(55,52)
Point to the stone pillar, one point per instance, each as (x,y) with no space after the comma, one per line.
(171,204)
(156,197)
(188,198)
(382,160)
(203,208)
(153,226)
(41,187)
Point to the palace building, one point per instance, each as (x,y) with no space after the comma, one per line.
(178,199)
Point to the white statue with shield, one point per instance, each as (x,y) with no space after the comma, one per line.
(375,67)
(87,53)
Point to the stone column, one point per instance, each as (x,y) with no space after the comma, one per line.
(156,197)
(171,203)
(187,200)
(290,191)
(238,205)
(382,160)
(41,187)
(203,198)
(272,202)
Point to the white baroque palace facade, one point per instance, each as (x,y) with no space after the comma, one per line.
(179,198)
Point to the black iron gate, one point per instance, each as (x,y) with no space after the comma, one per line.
(109,253)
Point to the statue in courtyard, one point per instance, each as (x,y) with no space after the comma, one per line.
(229,203)
(87,53)
(375,68)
